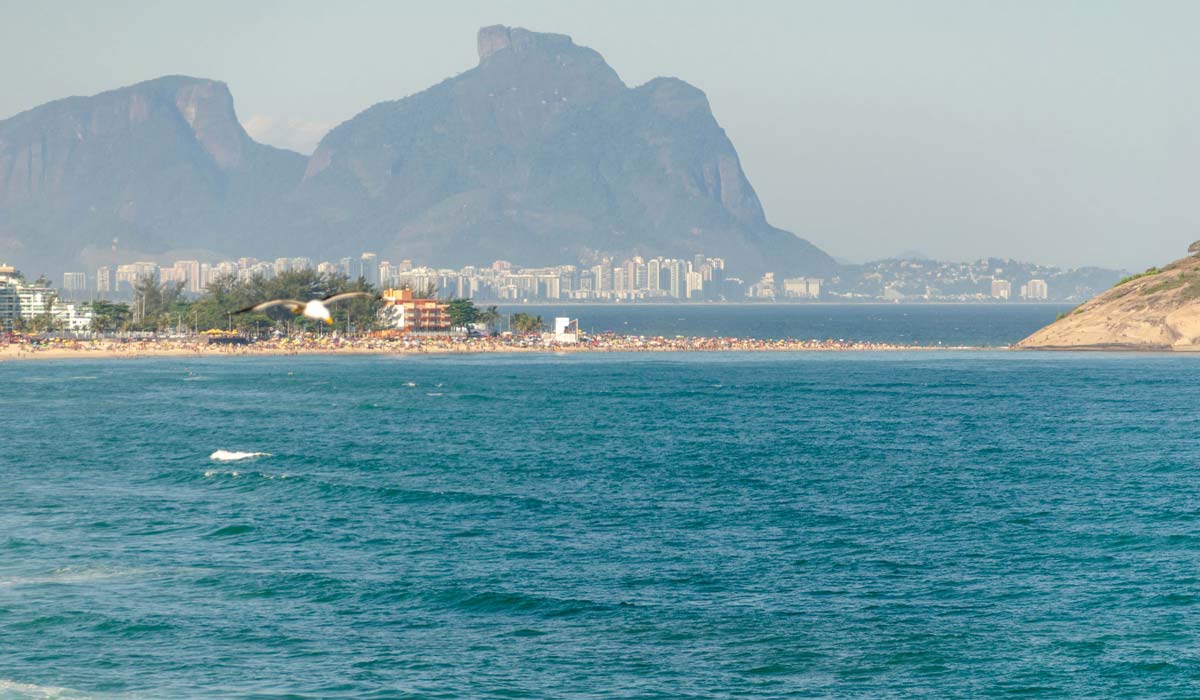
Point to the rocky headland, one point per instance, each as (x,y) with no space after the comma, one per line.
(1156,310)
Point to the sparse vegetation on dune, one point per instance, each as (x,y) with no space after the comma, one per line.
(1130,278)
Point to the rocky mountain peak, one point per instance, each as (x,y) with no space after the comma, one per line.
(497,37)
(207,107)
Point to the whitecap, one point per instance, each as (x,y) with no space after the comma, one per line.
(12,690)
(227,456)
(71,575)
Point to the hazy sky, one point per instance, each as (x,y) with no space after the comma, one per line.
(1057,132)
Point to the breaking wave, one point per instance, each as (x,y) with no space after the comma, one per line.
(12,690)
(70,575)
(228,456)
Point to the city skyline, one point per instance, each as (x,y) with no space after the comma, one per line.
(699,278)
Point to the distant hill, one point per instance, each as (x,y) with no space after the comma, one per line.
(1157,310)
(540,154)
(926,279)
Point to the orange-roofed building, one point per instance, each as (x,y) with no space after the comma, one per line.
(402,311)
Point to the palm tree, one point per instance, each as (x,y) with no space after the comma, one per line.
(490,317)
(524,323)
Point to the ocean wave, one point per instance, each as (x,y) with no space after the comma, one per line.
(399,494)
(231,474)
(228,456)
(232,531)
(12,690)
(516,603)
(72,575)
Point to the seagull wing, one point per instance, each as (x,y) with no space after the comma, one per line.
(345,295)
(292,305)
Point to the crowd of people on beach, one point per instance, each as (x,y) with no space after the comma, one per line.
(26,346)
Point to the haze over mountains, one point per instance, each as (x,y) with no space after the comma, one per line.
(540,155)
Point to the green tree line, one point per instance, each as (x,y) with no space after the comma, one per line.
(162,307)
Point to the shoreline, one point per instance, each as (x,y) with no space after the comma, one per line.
(110,350)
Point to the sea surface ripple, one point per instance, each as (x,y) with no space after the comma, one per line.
(896,525)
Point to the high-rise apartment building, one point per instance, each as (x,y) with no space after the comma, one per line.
(75,284)
(369,268)
(190,270)
(620,279)
(103,279)
(387,274)
(1035,290)
(128,275)
(677,280)
(602,279)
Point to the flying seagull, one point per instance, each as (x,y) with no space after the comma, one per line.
(315,309)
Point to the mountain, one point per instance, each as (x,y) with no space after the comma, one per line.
(540,154)
(1156,310)
(158,166)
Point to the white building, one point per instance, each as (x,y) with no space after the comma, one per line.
(764,288)
(369,266)
(1035,290)
(103,279)
(74,281)
(802,288)
(190,270)
(128,275)
(566,330)
(28,303)
(172,275)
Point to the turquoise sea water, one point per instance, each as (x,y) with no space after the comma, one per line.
(977,325)
(905,525)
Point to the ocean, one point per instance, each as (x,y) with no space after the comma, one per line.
(976,325)
(828,525)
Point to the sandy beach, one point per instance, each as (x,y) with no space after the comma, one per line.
(129,349)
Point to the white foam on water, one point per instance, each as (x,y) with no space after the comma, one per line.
(71,574)
(12,690)
(227,456)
